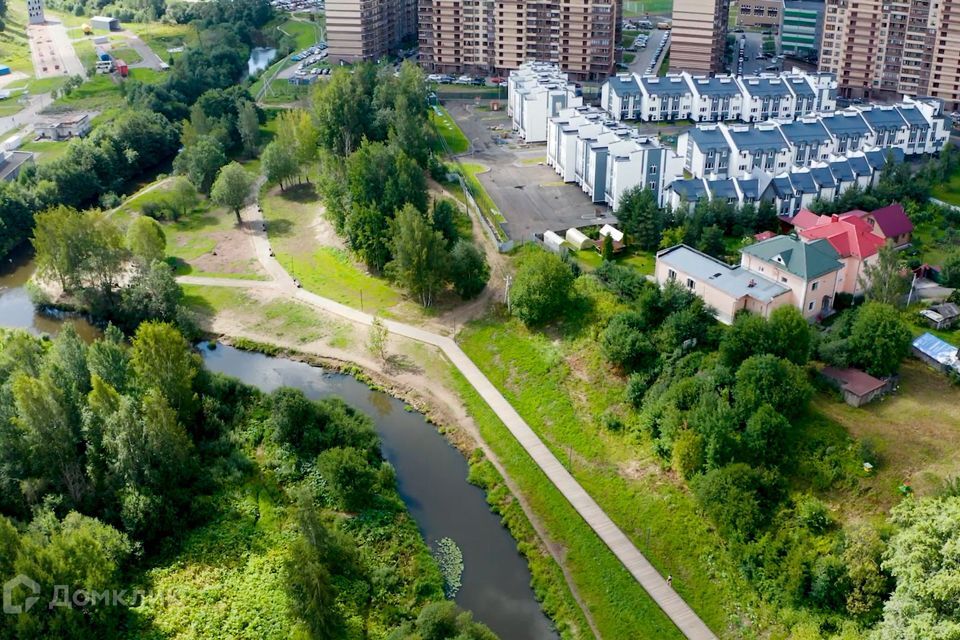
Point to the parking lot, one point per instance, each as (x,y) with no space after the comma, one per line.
(529,194)
(645,56)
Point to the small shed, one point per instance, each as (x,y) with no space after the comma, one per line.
(937,353)
(578,239)
(105,23)
(858,387)
(615,234)
(4,70)
(942,316)
(553,242)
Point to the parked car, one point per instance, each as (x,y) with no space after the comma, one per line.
(463,80)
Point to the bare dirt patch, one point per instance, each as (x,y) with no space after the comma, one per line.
(232,253)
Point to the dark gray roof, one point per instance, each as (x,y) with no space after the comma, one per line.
(846,125)
(859,165)
(878,158)
(781,186)
(883,119)
(667,86)
(624,85)
(805,132)
(803,182)
(714,87)
(823,177)
(766,87)
(708,139)
(692,189)
(913,116)
(723,189)
(842,171)
(802,88)
(758,139)
(750,188)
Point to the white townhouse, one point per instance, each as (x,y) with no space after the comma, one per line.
(808,139)
(665,99)
(606,158)
(766,97)
(715,99)
(536,92)
(705,150)
(760,147)
(620,96)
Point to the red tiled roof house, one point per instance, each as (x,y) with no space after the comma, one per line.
(855,242)
(890,223)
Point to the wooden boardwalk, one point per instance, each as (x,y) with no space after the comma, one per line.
(687,621)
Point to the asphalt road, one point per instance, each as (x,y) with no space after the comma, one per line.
(644,56)
(529,194)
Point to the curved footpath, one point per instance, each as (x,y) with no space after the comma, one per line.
(687,621)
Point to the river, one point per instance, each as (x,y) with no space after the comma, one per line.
(260,58)
(431,474)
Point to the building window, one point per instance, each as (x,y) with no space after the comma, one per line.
(783,279)
(813,287)
(690,283)
(653,169)
(810,307)
(671,274)
(653,185)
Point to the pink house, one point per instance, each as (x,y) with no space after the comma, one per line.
(854,241)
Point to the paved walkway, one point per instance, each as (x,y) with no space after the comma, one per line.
(672,604)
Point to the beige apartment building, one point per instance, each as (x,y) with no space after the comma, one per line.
(885,48)
(368,29)
(497,36)
(699,36)
(766,14)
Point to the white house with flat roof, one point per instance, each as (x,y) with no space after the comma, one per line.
(535,92)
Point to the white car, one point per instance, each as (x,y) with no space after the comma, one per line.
(434,77)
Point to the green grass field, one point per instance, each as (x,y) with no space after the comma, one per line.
(642,261)
(636,8)
(306,34)
(14,45)
(161,36)
(324,270)
(949,191)
(445,126)
(46,150)
(483,199)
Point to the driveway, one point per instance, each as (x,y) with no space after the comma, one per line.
(529,194)
(644,56)
(52,51)
(148,59)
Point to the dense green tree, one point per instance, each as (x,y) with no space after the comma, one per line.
(146,239)
(883,279)
(469,271)
(442,215)
(869,585)
(738,498)
(442,621)
(248,124)
(297,133)
(789,334)
(152,294)
(879,339)
(385,178)
(747,336)
(232,187)
(606,248)
(109,359)
(368,233)
(541,288)
(767,379)
(640,217)
(950,270)
(767,436)
(201,161)
(279,163)
(922,557)
(420,261)
(688,456)
(711,242)
(78,249)
(342,111)
(162,360)
(625,344)
(182,196)
(16,215)
(350,480)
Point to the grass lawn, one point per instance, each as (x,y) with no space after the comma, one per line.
(629,57)
(325,270)
(305,33)
(14,45)
(161,36)
(46,150)
(949,191)
(127,54)
(99,92)
(664,66)
(915,432)
(9,108)
(487,207)
(281,91)
(642,261)
(640,8)
(455,141)
(560,386)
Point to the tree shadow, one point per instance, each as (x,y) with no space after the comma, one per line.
(280,227)
(399,363)
(303,193)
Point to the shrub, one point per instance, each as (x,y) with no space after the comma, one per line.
(768,379)
(879,339)
(688,456)
(625,344)
(541,288)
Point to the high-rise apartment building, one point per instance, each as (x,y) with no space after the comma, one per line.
(368,29)
(497,36)
(894,47)
(35,12)
(802,27)
(699,35)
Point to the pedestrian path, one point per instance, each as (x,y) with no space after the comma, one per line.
(655,585)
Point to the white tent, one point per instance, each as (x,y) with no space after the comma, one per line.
(553,242)
(577,238)
(616,234)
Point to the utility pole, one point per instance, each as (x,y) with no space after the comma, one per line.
(508,279)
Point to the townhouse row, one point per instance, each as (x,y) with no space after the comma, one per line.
(682,96)
(914,126)
(606,158)
(535,92)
